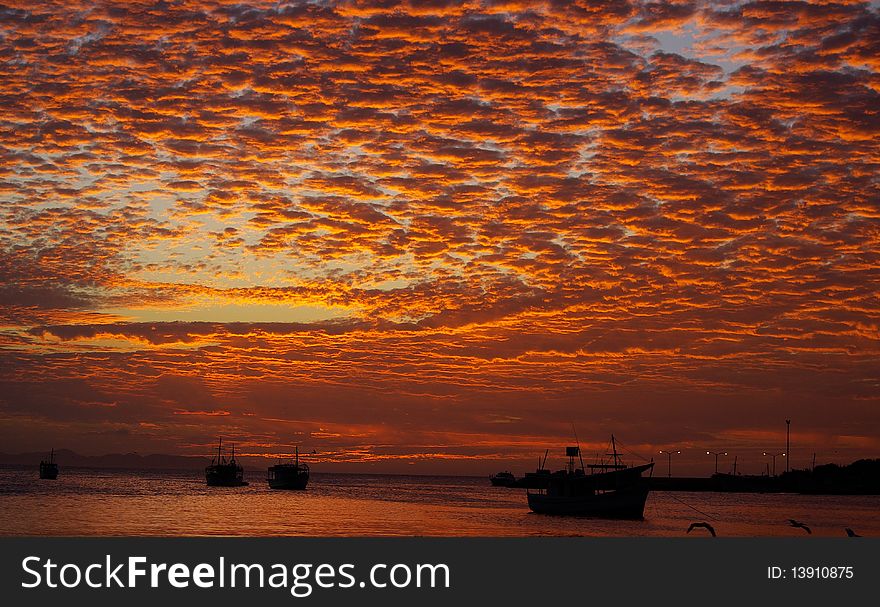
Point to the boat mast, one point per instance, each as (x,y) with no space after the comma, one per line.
(577,440)
(219,447)
(296,450)
(614,449)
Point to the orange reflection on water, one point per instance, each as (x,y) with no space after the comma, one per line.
(88,503)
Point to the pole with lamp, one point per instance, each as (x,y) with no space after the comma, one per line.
(716,454)
(774,456)
(669,460)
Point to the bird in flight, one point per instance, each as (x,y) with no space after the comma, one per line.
(706,526)
(851,533)
(798,524)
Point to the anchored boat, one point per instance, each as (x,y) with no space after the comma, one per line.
(290,475)
(49,469)
(537,479)
(611,490)
(503,479)
(224,472)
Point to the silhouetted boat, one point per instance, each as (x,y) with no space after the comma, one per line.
(223,472)
(537,479)
(292,475)
(49,469)
(611,490)
(502,479)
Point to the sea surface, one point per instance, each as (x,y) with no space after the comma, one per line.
(86,502)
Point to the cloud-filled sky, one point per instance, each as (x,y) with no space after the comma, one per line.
(435,234)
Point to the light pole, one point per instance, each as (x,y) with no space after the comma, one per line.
(669,461)
(787,441)
(716,454)
(774,455)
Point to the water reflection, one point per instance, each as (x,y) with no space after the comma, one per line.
(102,502)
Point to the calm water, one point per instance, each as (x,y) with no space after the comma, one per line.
(111,502)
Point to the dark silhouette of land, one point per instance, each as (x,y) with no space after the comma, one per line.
(861,477)
(113,460)
(128,461)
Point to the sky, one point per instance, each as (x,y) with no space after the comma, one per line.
(441,236)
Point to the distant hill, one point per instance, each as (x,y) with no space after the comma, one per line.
(65,457)
(860,477)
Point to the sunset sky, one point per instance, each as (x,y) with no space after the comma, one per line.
(433,236)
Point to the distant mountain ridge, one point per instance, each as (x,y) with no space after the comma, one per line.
(66,457)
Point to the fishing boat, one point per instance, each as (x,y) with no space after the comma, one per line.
(502,479)
(537,479)
(224,472)
(49,469)
(611,489)
(290,475)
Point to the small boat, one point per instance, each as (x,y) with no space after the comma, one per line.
(291,475)
(49,469)
(224,472)
(502,479)
(537,479)
(611,490)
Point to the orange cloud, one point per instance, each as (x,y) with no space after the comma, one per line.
(661,215)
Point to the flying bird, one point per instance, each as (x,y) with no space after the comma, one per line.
(798,524)
(851,533)
(706,526)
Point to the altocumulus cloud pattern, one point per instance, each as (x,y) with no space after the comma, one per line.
(438,229)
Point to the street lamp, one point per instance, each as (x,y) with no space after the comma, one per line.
(774,455)
(669,460)
(716,454)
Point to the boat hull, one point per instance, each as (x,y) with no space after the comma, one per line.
(224,476)
(533,480)
(502,480)
(289,483)
(49,471)
(293,478)
(624,503)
